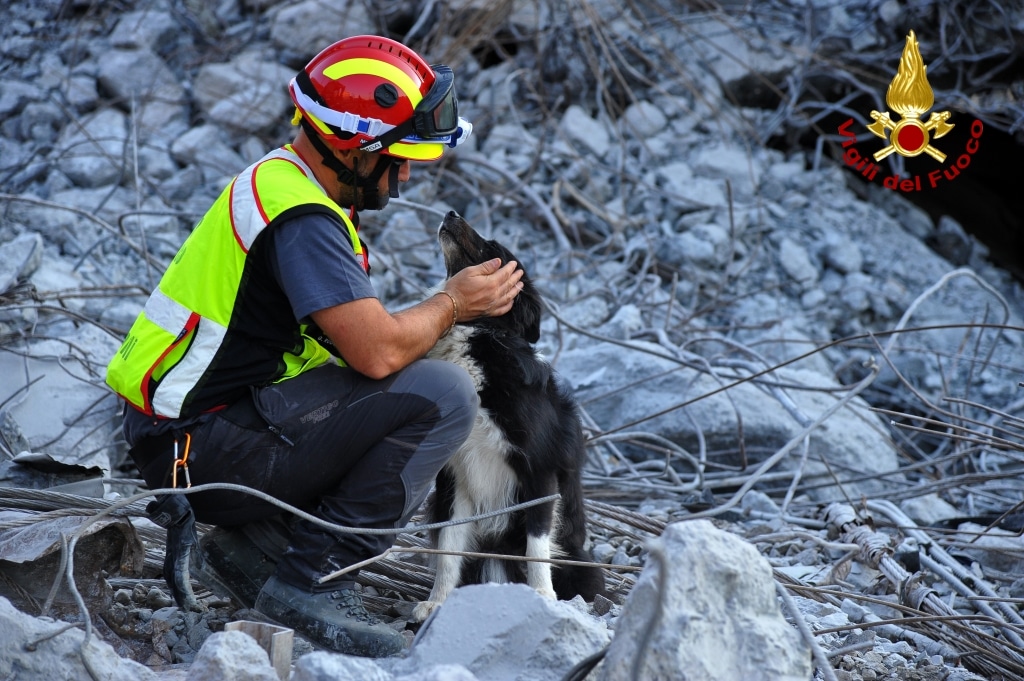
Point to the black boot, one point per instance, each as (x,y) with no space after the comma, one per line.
(334,619)
(232,566)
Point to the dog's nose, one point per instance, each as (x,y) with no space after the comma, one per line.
(452,215)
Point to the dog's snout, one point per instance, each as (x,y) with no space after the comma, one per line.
(452,215)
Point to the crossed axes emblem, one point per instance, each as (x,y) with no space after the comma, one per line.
(910,136)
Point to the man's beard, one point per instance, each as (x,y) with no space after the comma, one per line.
(360,199)
(367,195)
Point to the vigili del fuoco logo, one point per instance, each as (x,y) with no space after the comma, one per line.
(910,97)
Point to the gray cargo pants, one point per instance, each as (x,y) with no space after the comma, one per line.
(351,450)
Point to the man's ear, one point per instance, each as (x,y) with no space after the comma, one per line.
(347,155)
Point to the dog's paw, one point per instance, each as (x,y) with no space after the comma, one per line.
(422,611)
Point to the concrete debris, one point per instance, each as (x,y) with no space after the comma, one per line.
(31,559)
(709,592)
(506,633)
(232,656)
(40,648)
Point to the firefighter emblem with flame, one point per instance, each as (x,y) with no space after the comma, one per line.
(911,97)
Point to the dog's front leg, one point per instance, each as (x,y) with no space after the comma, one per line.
(539,526)
(538,574)
(448,570)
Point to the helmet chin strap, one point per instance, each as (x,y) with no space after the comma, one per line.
(350,176)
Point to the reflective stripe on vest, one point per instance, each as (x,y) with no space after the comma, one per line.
(162,365)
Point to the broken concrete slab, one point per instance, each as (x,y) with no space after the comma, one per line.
(19,257)
(506,632)
(40,648)
(710,593)
(30,559)
(61,408)
(231,656)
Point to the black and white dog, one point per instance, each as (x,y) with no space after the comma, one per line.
(527,443)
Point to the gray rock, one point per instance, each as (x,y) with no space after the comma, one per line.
(156,163)
(53,655)
(505,632)
(324,666)
(146,28)
(442,672)
(121,315)
(928,509)
(14,94)
(144,86)
(13,156)
(889,11)
(851,440)
(80,92)
(719,614)
(19,258)
(586,313)
(734,61)
(40,122)
(797,263)
(303,29)
(409,239)
(684,191)
(643,120)
(841,253)
(94,155)
(731,163)
(205,147)
(231,656)
(247,94)
(856,291)
(705,245)
(992,547)
(626,320)
(59,414)
(584,132)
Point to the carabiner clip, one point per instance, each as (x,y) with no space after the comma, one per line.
(181,463)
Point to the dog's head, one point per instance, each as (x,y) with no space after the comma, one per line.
(462,248)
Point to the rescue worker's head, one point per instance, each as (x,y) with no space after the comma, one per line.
(375,95)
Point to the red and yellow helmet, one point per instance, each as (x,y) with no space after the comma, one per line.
(375,94)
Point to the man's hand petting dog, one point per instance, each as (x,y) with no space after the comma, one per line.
(486,290)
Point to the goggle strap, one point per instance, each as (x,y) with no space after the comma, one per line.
(396,134)
(345,121)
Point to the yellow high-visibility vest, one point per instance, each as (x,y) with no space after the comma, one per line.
(193,348)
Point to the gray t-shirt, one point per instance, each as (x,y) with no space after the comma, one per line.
(315,266)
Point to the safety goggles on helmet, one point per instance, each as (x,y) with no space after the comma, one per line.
(435,119)
(437,115)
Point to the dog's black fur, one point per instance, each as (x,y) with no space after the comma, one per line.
(527,443)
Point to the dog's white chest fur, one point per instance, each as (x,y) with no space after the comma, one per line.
(484,480)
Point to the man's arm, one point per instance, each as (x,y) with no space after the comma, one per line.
(377,343)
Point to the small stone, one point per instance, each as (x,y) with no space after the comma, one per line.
(602,606)
(157,599)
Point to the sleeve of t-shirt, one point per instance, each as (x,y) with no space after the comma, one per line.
(315,265)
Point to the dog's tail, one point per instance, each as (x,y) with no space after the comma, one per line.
(573,580)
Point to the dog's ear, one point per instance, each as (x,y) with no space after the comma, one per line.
(533,331)
(531,306)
